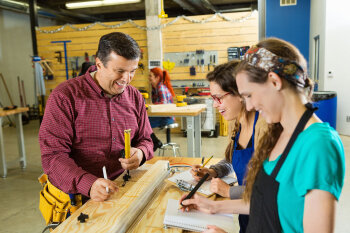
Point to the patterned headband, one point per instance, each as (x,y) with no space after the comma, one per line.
(270,62)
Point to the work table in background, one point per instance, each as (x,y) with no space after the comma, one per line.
(193,118)
(22,153)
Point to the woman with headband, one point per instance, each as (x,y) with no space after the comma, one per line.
(162,93)
(297,173)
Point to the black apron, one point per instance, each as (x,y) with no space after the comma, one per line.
(264,216)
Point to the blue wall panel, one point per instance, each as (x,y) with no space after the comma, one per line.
(290,23)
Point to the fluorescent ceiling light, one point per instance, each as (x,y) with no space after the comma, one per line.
(76,5)
(17,3)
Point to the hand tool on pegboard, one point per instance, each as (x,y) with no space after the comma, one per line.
(65,53)
(59,56)
(168,65)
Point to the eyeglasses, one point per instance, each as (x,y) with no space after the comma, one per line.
(218,99)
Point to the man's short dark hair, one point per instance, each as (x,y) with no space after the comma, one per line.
(120,43)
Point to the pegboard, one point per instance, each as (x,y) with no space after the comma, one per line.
(193,58)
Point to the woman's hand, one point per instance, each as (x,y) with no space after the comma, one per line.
(214,229)
(220,187)
(198,202)
(198,172)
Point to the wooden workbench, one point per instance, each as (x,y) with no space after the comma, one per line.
(18,117)
(192,113)
(102,215)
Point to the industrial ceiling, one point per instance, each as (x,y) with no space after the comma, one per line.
(57,9)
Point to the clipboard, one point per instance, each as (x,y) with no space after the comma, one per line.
(185,182)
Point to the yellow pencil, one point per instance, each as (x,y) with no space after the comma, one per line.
(207,161)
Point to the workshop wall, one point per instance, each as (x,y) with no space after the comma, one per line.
(15,55)
(182,36)
(84,42)
(216,35)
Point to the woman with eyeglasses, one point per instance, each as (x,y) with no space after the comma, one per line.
(296,175)
(243,140)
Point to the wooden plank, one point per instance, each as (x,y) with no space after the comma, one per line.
(71,53)
(106,216)
(222,24)
(186,76)
(92,44)
(207,40)
(97,26)
(231,31)
(103,214)
(136,34)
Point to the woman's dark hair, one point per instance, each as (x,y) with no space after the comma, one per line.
(224,76)
(120,43)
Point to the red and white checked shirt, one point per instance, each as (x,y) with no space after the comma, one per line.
(83,130)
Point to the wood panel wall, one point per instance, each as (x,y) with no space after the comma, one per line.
(182,36)
(86,41)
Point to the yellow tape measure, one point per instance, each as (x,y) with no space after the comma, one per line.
(127,142)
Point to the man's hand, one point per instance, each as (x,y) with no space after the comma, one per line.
(220,187)
(98,189)
(136,156)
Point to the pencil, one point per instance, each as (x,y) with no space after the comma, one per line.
(207,161)
(202,160)
(193,191)
(105,176)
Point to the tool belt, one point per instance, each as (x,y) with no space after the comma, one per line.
(55,205)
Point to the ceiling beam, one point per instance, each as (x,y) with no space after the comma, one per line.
(198,4)
(185,5)
(60,14)
(75,15)
(209,6)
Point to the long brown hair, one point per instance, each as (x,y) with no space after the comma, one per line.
(224,76)
(164,78)
(257,75)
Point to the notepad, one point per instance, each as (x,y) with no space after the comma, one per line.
(186,180)
(195,220)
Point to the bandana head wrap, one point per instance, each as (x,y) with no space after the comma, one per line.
(270,62)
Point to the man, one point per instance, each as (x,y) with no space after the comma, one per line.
(85,118)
